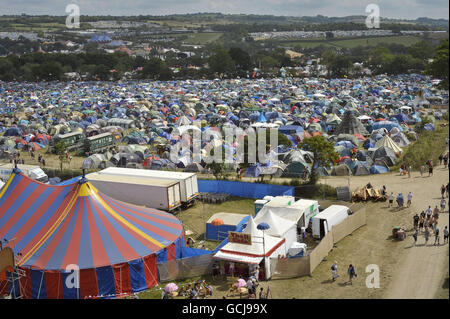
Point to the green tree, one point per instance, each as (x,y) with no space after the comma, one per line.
(59,149)
(221,62)
(155,69)
(340,65)
(324,154)
(439,67)
(241,58)
(421,50)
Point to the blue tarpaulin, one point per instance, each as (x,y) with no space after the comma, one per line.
(137,269)
(106,281)
(242,189)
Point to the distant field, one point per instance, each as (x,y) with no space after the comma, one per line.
(196,38)
(202,38)
(351,43)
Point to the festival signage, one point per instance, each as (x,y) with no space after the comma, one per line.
(239,238)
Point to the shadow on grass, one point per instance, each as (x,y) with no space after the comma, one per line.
(328,281)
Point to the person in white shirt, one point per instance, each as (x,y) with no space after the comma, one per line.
(429,212)
(409,199)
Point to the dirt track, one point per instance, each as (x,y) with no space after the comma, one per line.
(421,270)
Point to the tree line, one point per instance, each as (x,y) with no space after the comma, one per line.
(227,63)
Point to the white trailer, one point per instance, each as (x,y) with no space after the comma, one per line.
(32,171)
(188,181)
(324,221)
(154,193)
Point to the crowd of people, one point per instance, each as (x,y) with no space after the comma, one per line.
(428,220)
(196,290)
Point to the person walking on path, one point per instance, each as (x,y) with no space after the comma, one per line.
(421,223)
(429,212)
(415,237)
(409,199)
(351,273)
(427,234)
(430,169)
(436,214)
(443,204)
(391,199)
(409,171)
(445,234)
(443,190)
(334,273)
(416,221)
(440,159)
(436,235)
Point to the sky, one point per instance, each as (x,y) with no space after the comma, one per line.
(400,9)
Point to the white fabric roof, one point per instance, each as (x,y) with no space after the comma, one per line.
(238,258)
(252,229)
(255,250)
(278,225)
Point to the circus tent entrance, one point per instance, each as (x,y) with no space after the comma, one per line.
(114,247)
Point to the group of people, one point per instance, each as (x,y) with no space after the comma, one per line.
(426,222)
(250,290)
(197,290)
(351,272)
(444,158)
(400,200)
(15,158)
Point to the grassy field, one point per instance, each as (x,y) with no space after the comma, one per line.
(203,38)
(351,43)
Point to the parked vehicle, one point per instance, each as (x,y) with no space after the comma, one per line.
(154,193)
(99,142)
(188,181)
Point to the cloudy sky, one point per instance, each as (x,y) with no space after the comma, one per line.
(406,9)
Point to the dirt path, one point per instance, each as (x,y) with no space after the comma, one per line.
(421,270)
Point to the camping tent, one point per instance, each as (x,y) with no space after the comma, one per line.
(388,142)
(115,245)
(350,125)
(360,168)
(386,154)
(341,170)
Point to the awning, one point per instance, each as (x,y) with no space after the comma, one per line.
(237,258)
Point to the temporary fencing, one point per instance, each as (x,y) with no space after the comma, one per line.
(242,189)
(301,266)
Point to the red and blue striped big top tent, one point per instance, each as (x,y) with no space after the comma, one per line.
(53,229)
